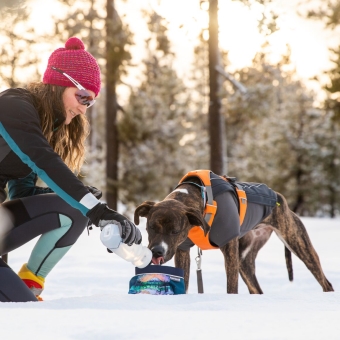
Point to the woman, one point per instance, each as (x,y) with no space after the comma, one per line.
(42,134)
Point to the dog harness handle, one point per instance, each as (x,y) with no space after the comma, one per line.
(241,194)
(199,272)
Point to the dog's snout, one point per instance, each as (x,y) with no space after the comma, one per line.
(157,251)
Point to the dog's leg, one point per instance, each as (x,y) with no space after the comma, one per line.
(293,233)
(249,246)
(231,262)
(182,260)
(289,263)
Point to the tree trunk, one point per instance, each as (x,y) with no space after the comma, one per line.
(300,199)
(111,114)
(331,190)
(216,125)
(90,111)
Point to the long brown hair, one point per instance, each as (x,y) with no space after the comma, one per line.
(68,141)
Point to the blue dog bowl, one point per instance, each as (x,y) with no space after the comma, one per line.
(157,280)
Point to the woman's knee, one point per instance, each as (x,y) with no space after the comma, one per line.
(74,228)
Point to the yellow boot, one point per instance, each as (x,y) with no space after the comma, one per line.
(33,282)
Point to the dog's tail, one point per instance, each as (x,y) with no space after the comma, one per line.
(289,263)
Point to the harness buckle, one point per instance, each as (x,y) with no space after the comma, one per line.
(198,258)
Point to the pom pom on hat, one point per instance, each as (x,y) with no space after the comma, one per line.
(74,44)
(77,63)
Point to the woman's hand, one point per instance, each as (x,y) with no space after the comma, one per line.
(101,215)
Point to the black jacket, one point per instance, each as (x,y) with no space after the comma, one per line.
(23,149)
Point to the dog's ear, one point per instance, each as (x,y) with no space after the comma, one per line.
(196,219)
(143,210)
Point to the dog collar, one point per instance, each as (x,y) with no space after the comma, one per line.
(203,191)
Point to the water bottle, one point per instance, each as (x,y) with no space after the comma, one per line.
(139,255)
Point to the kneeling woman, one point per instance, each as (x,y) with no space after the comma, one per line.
(42,133)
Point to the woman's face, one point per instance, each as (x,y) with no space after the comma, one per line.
(72,106)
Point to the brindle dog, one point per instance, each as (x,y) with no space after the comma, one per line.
(169,221)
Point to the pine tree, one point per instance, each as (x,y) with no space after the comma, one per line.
(154,124)
(271,132)
(19,51)
(198,86)
(328,12)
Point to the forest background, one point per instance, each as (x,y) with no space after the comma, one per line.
(150,123)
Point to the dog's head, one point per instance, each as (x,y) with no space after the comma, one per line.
(168,225)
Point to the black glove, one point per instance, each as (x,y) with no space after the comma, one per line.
(101,215)
(94,191)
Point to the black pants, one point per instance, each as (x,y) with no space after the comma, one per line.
(48,215)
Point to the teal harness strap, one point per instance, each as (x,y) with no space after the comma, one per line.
(207,195)
(202,187)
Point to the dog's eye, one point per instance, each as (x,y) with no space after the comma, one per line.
(175,231)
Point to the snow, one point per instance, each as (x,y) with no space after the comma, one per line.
(86,297)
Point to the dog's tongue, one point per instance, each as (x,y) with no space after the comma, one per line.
(158,260)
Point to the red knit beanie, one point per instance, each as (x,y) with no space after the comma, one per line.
(77,63)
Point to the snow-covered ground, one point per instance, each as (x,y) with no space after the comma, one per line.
(86,297)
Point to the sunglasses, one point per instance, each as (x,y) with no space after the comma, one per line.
(82,95)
